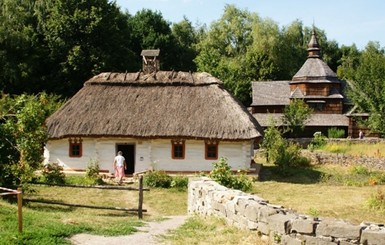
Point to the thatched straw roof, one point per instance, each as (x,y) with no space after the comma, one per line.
(158,105)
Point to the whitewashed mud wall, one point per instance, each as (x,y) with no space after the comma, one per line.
(273,222)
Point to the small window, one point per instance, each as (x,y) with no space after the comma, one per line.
(211,150)
(75,147)
(178,149)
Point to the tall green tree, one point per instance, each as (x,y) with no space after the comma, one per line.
(185,39)
(55,45)
(22,135)
(21,52)
(151,31)
(367,79)
(222,51)
(85,38)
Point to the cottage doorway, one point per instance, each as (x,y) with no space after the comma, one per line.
(129,154)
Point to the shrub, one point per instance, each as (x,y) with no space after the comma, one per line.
(92,173)
(222,174)
(336,133)
(317,142)
(285,155)
(52,174)
(179,182)
(157,178)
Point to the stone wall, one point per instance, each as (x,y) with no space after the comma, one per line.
(317,157)
(274,222)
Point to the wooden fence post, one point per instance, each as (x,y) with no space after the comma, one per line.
(140,205)
(20,209)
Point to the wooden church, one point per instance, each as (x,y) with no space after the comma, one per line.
(318,86)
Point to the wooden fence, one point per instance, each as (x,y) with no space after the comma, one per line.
(19,194)
(139,210)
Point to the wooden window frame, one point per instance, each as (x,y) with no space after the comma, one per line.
(208,144)
(75,142)
(175,145)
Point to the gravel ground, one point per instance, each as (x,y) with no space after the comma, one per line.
(147,235)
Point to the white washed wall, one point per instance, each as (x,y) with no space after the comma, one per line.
(148,154)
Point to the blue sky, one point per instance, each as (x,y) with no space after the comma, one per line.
(345,21)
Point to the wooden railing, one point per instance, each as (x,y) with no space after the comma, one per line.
(139,210)
(19,194)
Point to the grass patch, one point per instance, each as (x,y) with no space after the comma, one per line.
(210,230)
(356,149)
(53,224)
(325,191)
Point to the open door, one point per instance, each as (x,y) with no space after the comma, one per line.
(128,151)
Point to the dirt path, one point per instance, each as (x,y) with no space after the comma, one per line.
(147,235)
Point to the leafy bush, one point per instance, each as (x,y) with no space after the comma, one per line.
(336,133)
(52,174)
(317,142)
(179,182)
(92,173)
(222,174)
(285,155)
(157,178)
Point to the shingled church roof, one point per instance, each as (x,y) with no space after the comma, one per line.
(314,70)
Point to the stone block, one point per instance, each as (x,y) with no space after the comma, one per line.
(280,223)
(252,225)
(264,212)
(303,225)
(242,222)
(219,207)
(240,204)
(373,235)
(289,240)
(338,229)
(309,240)
(230,207)
(263,228)
(251,211)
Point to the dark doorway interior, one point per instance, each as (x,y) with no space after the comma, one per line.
(129,154)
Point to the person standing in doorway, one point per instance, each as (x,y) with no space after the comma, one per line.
(119,166)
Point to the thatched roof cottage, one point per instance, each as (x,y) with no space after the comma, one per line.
(173,121)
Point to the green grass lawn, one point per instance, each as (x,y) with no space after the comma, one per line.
(51,224)
(322,191)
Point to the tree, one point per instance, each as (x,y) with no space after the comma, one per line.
(185,39)
(55,45)
(21,51)
(151,31)
(222,51)
(22,135)
(85,38)
(367,80)
(295,115)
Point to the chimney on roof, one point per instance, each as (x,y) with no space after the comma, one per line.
(150,60)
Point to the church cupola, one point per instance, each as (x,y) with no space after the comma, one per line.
(313,46)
